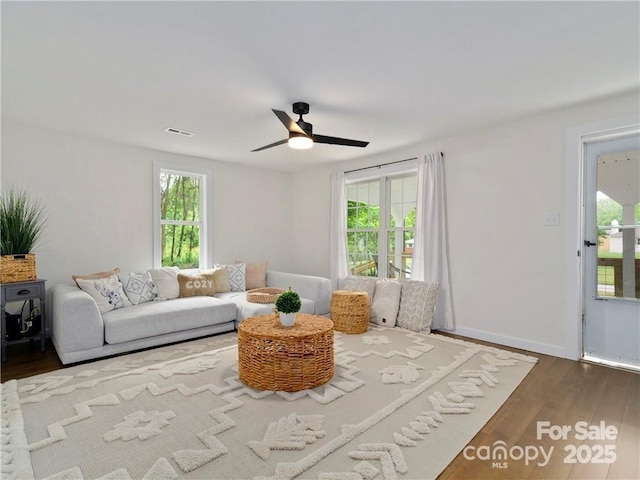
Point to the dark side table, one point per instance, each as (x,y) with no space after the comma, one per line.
(20,292)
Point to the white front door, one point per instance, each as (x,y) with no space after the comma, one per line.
(611,252)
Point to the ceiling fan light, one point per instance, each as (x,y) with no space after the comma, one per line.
(300,142)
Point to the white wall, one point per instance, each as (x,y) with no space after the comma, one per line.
(507,268)
(100,203)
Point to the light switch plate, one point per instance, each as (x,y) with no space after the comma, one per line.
(551,219)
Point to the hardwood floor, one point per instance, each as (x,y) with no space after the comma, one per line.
(558,391)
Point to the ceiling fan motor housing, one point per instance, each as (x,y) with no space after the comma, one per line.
(300,108)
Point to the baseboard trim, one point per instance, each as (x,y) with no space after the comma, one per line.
(544,348)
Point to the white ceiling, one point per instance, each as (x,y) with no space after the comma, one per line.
(392,73)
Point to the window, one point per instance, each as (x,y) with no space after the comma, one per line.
(381,217)
(180,220)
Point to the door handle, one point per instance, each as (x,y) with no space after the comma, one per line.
(587,243)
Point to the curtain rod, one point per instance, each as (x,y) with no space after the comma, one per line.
(385,164)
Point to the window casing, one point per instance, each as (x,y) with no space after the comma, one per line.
(181,219)
(381,216)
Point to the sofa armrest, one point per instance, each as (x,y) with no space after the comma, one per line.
(76,321)
(317,289)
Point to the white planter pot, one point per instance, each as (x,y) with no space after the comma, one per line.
(287,319)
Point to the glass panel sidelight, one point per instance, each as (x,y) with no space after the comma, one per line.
(363,221)
(618,226)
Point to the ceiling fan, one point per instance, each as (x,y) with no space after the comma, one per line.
(301,134)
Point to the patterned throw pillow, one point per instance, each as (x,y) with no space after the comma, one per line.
(417,304)
(237,276)
(196,284)
(384,308)
(107,292)
(361,284)
(138,286)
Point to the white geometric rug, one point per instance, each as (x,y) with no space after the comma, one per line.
(400,405)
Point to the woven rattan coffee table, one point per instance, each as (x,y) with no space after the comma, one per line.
(289,359)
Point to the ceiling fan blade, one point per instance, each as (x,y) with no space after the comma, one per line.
(288,122)
(275,144)
(339,141)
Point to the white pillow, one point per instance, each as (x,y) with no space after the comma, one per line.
(386,301)
(220,278)
(138,286)
(417,304)
(166,281)
(237,276)
(361,284)
(107,292)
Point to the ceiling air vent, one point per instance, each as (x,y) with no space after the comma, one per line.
(179,132)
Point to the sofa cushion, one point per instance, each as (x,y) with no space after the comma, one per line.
(256,275)
(361,284)
(93,276)
(157,318)
(417,304)
(220,278)
(237,276)
(138,286)
(166,281)
(386,301)
(193,284)
(107,292)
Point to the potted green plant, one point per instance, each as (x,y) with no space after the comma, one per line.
(287,305)
(22,220)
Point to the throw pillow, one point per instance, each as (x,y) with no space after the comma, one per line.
(196,284)
(237,276)
(361,284)
(221,279)
(166,281)
(106,291)
(417,304)
(256,275)
(386,301)
(93,276)
(138,286)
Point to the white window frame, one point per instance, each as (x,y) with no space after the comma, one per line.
(206,214)
(382,174)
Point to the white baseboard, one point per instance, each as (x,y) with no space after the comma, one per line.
(544,348)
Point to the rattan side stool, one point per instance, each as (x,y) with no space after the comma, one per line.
(350,311)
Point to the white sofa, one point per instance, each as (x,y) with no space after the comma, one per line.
(80,332)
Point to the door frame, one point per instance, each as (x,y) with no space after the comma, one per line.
(576,139)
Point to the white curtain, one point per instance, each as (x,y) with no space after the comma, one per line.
(339,268)
(430,257)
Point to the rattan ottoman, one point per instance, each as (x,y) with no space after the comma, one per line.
(289,359)
(350,311)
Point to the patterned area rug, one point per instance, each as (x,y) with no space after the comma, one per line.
(400,405)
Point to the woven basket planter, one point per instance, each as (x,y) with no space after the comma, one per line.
(17,268)
(264,295)
(350,311)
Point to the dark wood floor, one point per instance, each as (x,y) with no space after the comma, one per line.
(561,392)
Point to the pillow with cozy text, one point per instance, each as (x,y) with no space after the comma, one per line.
(196,284)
